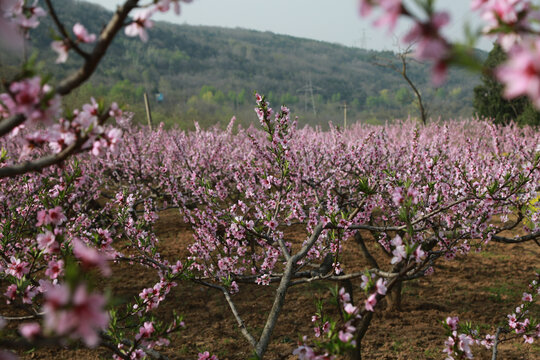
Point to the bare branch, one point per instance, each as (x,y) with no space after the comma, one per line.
(520,239)
(403,227)
(21,318)
(239,320)
(403,56)
(9,124)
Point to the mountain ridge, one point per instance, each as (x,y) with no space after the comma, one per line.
(208,74)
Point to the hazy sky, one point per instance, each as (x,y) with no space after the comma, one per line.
(327,20)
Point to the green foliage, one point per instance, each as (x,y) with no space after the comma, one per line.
(488,98)
(404,96)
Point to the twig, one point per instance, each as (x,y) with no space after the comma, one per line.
(19,318)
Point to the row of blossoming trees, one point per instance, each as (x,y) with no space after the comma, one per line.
(422,193)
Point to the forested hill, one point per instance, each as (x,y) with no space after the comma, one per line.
(208,74)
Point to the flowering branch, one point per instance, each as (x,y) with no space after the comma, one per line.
(72,44)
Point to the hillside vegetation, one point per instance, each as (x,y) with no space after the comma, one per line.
(208,74)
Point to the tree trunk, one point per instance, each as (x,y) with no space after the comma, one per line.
(393,297)
(356,353)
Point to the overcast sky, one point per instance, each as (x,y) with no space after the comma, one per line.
(334,21)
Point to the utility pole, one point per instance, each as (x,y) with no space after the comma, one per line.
(148,114)
(344,106)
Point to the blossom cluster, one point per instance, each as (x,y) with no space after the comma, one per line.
(240,191)
(463,336)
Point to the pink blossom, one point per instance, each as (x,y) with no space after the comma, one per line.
(371,301)
(233,289)
(80,316)
(488,341)
(17,268)
(266,183)
(392,10)
(366,281)
(344,296)
(12,38)
(527,297)
(87,118)
(206,356)
(464,344)
(326,327)
(499,11)
(30,330)
(528,339)
(27,19)
(29,293)
(82,34)
(11,292)
(98,147)
(303,352)
(345,336)
(419,254)
(26,95)
(176,268)
(55,269)
(431,45)
(115,111)
(163,5)
(141,22)
(512,321)
(350,308)
(57,216)
(365,7)
(397,196)
(258,99)
(47,243)
(380,286)
(145,331)
(137,354)
(272,224)
(90,257)
(521,73)
(114,137)
(399,252)
(61,48)
(452,322)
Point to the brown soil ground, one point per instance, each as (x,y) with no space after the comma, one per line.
(481,288)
